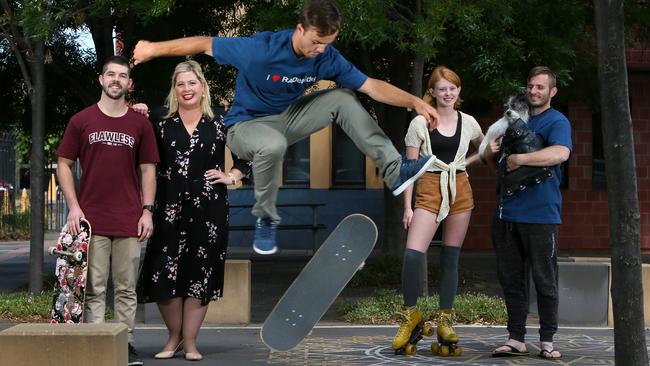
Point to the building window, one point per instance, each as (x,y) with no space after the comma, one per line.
(295,171)
(348,163)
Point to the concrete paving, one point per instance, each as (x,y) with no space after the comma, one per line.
(333,342)
(370,345)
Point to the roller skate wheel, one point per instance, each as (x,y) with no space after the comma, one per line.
(410,349)
(444,351)
(427,331)
(457,352)
(435,349)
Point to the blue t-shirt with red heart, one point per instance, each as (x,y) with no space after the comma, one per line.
(271,77)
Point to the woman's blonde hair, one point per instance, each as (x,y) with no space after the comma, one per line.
(441,72)
(206,101)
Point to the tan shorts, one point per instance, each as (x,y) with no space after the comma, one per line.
(428,195)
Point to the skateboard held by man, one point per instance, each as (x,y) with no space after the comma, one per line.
(319,283)
(71,272)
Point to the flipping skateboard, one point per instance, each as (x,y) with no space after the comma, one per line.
(71,271)
(319,283)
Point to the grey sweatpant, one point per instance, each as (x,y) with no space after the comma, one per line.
(264,140)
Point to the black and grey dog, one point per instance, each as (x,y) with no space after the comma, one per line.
(515,108)
(517,138)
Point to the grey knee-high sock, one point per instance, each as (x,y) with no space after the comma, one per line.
(448,275)
(412,268)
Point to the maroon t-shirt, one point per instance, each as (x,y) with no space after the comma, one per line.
(110,150)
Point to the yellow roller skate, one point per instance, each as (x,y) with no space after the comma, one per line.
(412,328)
(447,337)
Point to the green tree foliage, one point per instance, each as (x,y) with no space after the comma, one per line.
(189,18)
(28,28)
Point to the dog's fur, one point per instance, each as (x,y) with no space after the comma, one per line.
(517,138)
(515,108)
(520,139)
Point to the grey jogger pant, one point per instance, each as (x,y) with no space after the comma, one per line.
(264,140)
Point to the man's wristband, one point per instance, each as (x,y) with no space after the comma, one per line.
(148,207)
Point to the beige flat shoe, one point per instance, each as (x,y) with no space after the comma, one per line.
(193,356)
(169,354)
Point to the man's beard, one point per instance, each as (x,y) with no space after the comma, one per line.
(540,102)
(117,96)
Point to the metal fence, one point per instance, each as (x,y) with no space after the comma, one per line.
(7,161)
(15,211)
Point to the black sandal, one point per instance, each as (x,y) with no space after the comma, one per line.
(512,352)
(547,354)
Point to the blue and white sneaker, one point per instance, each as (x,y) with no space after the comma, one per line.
(265,232)
(410,171)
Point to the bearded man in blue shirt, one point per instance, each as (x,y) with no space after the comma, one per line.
(525,226)
(270,111)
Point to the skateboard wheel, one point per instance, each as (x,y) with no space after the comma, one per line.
(78,256)
(51,250)
(457,352)
(427,331)
(410,349)
(444,351)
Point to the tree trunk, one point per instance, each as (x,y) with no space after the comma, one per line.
(101,29)
(394,124)
(624,232)
(416,89)
(37,167)
(416,77)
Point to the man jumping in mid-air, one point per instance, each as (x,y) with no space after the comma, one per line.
(271,112)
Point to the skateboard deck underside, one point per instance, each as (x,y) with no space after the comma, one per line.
(319,283)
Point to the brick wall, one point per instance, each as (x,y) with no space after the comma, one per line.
(585,212)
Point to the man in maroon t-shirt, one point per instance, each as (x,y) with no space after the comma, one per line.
(112,142)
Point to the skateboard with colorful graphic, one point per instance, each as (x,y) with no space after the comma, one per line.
(71,272)
(319,283)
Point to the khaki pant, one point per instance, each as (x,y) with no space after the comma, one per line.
(264,140)
(121,256)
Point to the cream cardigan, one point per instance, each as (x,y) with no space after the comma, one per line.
(418,137)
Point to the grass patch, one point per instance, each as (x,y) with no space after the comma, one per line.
(383,306)
(21,307)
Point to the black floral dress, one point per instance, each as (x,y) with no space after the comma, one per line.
(185,256)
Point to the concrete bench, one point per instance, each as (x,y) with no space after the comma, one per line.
(233,308)
(65,344)
(585,292)
(310,222)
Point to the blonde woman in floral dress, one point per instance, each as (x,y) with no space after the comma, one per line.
(183,267)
